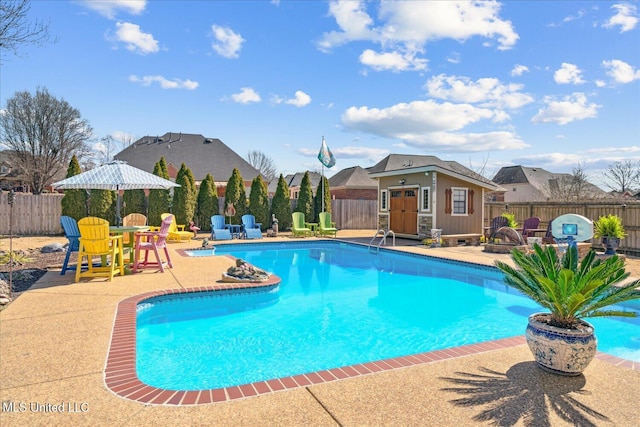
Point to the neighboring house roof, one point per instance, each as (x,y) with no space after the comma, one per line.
(294,180)
(200,154)
(395,164)
(355,177)
(541,179)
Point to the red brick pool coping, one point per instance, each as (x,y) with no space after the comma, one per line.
(120,371)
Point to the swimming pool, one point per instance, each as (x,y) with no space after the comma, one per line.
(337,305)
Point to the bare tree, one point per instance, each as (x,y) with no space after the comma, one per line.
(44,133)
(109,146)
(16,29)
(262,163)
(126,140)
(573,187)
(622,176)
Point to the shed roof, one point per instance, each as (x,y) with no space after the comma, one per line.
(395,164)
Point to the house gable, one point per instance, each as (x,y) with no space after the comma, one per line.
(200,154)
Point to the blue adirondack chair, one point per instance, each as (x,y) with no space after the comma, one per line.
(71,231)
(251,228)
(219,230)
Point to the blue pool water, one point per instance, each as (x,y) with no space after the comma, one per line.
(337,305)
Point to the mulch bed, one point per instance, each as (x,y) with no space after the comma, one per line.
(25,274)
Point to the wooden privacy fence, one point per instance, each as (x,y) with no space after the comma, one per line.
(629,211)
(32,215)
(40,215)
(355,214)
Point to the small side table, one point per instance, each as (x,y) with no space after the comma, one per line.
(313,226)
(235,230)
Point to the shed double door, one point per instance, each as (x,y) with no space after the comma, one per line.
(403,215)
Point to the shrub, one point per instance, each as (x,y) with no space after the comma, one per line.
(207,203)
(281,205)
(74,202)
(259,202)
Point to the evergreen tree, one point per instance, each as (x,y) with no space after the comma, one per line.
(317,200)
(159,200)
(259,201)
(281,205)
(305,198)
(184,197)
(235,195)
(74,202)
(102,204)
(207,203)
(134,201)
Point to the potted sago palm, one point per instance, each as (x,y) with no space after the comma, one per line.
(561,340)
(610,229)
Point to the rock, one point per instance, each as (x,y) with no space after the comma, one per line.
(52,247)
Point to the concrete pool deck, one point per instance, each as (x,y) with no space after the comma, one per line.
(55,337)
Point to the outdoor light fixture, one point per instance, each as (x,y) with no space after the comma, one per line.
(402,181)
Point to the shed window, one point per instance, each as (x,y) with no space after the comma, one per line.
(383,200)
(459,201)
(426,199)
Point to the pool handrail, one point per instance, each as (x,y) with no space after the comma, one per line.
(383,240)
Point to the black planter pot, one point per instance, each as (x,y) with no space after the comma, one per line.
(611,244)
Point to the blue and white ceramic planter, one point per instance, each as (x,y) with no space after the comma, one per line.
(558,350)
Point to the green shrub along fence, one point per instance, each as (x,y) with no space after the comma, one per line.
(40,215)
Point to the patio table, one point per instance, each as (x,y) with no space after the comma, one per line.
(121,230)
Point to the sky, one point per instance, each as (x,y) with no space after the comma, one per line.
(550,84)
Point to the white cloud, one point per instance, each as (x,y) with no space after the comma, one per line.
(300,100)
(163,82)
(595,161)
(135,40)
(227,43)
(110,8)
(354,23)
(553,161)
(579,15)
(625,17)
(615,151)
(428,124)
(568,74)
(571,107)
(488,92)
(620,71)
(454,58)
(518,70)
(394,61)
(246,96)
(406,26)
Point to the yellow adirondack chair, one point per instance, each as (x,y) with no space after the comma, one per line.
(326,227)
(298,226)
(176,232)
(95,241)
